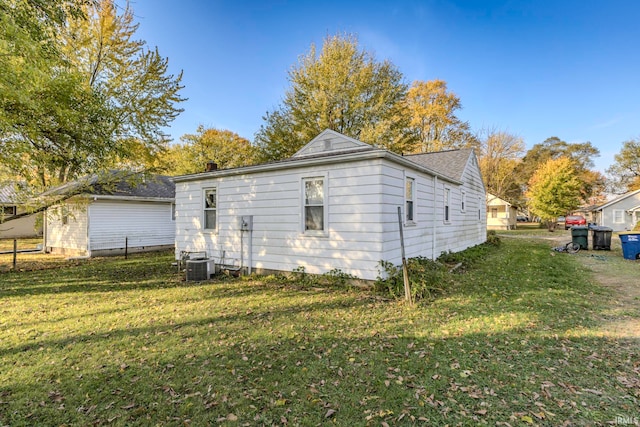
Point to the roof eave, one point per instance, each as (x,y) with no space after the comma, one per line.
(307,161)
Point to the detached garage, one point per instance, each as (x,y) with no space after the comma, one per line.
(133,214)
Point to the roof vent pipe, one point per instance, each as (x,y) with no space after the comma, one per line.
(211,166)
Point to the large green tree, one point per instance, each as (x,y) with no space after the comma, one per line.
(343,88)
(554,190)
(625,172)
(432,111)
(227,149)
(93,95)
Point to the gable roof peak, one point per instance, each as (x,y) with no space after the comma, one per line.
(330,141)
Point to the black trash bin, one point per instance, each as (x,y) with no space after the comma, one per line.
(601,238)
(580,235)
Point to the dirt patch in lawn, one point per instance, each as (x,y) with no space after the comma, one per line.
(612,271)
(620,276)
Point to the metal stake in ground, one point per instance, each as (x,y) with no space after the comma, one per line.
(405,272)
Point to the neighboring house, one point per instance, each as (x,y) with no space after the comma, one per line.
(333,205)
(107,218)
(501,215)
(10,206)
(621,213)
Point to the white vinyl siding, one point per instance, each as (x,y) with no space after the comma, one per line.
(139,224)
(67,229)
(275,199)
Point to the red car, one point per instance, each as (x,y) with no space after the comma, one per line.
(572,220)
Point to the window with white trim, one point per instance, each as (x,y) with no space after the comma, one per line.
(494,212)
(618,216)
(313,204)
(210,208)
(447,205)
(409,196)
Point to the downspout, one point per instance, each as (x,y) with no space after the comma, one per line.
(44,231)
(433,238)
(250,249)
(88,228)
(241,246)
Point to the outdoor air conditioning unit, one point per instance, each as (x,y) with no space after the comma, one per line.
(197,270)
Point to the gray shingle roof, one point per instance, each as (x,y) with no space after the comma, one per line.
(121,184)
(7,194)
(449,163)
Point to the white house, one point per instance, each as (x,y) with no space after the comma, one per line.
(10,206)
(501,215)
(138,216)
(333,205)
(621,213)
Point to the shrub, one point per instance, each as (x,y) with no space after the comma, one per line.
(492,238)
(426,278)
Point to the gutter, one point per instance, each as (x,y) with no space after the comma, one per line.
(316,161)
(129,198)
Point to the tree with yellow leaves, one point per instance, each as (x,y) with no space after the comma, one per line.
(554,190)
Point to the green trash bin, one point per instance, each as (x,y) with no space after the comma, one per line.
(580,235)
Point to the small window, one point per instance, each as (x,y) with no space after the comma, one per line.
(409,198)
(210,208)
(463,202)
(447,205)
(618,216)
(8,211)
(494,212)
(64,215)
(313,204)
(173,211)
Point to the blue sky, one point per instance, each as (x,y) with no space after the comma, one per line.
(535,68)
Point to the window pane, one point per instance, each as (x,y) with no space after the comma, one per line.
(314,218)
(313,192)
(210,220)
(210,199)
(409,210)
(409,189)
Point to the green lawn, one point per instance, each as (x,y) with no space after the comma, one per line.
(25,243)
(515,341)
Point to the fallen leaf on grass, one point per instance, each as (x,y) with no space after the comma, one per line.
(329,413)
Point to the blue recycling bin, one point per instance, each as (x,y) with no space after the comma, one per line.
(630,245)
